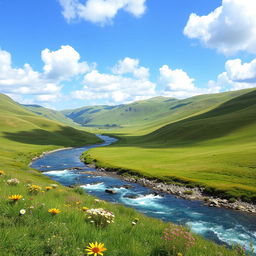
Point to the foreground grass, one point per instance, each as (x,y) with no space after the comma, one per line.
(37,232)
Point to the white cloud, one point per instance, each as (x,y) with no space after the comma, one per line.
(100,11)
(178,84)
(59,66)
(237,76)
(117,88)
(129,65)
(241,72)
(229,28)
(63,63)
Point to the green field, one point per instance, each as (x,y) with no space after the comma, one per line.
(215,148)
(25,135)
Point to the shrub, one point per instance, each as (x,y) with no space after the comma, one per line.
(232,200)
(188,192)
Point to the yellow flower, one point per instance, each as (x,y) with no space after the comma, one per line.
(54,211)
(78,202)
(48,188)
(179,254)
(15,198)
(95,249)
(2,173)
(34,189)
(85,209)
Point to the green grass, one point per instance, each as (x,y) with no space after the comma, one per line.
(214,149)
(25,135)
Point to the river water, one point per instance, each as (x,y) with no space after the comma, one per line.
(218,224)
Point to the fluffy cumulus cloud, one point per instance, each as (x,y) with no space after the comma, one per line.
(229,28)
(128,82)
(129,65)
(63,63)
(178,84)
(237,75)
(59,66)
(100,11)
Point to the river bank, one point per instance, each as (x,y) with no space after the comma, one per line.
(195,193)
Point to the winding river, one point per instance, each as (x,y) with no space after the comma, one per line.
(218,224)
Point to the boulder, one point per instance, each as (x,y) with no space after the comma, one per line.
(111,191)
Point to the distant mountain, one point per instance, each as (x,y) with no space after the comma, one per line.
(50,114)
(149,114)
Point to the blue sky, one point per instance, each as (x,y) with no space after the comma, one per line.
(71,53)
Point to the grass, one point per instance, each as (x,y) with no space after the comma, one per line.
(215,149)
(25,135)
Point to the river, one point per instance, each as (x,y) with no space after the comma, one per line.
(218,224)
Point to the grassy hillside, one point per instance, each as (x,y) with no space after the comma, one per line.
(146,116)
(50,114)
(215,149)
(35,231)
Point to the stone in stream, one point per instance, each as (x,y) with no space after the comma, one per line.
(111,191)
(131,196)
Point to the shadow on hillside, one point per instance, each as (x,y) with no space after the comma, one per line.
(65,136)
(216,123)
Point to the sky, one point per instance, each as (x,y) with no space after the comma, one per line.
(66,54)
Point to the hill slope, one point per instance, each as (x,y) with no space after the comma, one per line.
(20,127)
(148,115)
(50,114)
(215,149)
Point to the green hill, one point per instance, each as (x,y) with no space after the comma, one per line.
(50,114)
(215,149)
(20,127)
(146,116)
(24,135)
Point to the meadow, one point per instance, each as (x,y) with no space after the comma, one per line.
(215,149)
(38,217)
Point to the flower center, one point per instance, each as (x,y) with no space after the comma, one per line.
(95,249)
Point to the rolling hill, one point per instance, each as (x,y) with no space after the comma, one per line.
(146,116)
(50,114)
(215,149)
(22,130)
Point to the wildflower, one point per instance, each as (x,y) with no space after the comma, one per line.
(54,211)
(22,211)
(2,173)
(179,254)
(54,186)
(13,182)
(95,249)
(34,189)
(15,198)
(78,202)
(85,209)
(98,201)
(48,188)
(100,217)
